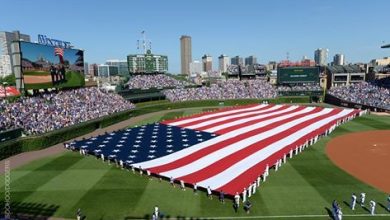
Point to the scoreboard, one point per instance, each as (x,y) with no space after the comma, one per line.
(290,75)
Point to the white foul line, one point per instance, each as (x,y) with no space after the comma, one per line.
(284,216)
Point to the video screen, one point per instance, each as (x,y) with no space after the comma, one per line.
(51,67)
(298,75)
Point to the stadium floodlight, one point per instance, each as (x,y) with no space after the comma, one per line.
(386,46)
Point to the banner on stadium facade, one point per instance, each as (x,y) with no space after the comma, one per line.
(9,91)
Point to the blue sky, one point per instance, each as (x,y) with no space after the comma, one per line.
(266,29)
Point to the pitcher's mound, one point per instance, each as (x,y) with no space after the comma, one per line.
(365,155)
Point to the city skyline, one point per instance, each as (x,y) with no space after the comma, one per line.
(298,28)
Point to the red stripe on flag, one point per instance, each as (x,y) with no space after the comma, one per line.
(232,128)
(250,175)
(243,117)
(210,149)
(234,113)
(208,113)
(231,159)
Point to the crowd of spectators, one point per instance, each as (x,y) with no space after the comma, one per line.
(384,82)
(300,87)
(232,89)
(363,93)
(51,111)
(155,81)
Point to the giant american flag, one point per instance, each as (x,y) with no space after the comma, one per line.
(225,150)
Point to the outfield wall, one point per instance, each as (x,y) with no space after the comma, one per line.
(42,141)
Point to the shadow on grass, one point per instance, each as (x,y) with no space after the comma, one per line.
(365,208)
(330,213)
(25,210)
(383,206)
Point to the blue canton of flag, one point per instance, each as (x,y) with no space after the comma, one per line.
(142,143)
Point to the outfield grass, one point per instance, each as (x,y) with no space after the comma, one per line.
(305,185)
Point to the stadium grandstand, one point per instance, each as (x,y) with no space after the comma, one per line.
(370,94)
(54,110)
(231,89)
(158,81)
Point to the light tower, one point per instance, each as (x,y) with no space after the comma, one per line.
(146,43)
(386,46)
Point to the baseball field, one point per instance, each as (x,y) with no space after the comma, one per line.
(42,80)
(303,188)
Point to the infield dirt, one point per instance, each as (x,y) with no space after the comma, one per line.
(365,155)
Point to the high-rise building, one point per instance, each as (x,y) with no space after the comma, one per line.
(185,53)
(123,68)
(207,61)
(105,70)
(93,69)
(338,59)
(224,62)
(6,39)
(5,65)
(195,68)
(321,56)
(381,62)
(250,60)
(237,61)
(86,68)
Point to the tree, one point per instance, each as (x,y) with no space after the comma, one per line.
(10,80)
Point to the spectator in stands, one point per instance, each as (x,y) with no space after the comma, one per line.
(155,81)
(232,89)
(363,93)
(51,111)
(300,87)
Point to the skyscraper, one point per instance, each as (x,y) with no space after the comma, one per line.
(5,65)
(93,69)
(321,56)
(186,54)
(224,62)
(250,60)
(237,61)
(207,61)
(195,68)
(6,39)
(338,59)
(123,67)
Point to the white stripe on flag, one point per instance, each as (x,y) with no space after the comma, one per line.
(241,121)
(185,121)
(187,151)
(235,170)
(209,122)
(230,149)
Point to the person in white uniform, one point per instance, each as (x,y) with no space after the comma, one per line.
(372,206)
(353,201)
(209,193)
(254,187)
(362,198)
(237,199)
(244,195)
